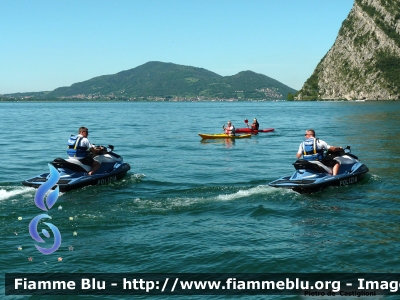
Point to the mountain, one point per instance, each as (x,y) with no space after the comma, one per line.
(155,80)
(151,79)
(364,62)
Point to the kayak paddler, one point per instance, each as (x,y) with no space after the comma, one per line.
(255,125)
(230,129)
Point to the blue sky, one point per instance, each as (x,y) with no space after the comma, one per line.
(46,44)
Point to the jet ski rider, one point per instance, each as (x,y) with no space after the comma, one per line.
(230,129)
(78,147)
(313,149)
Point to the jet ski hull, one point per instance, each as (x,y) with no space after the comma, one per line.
(72,178)
(311,177)
(304,186)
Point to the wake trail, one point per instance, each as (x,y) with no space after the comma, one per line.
(261,189)
(7,194)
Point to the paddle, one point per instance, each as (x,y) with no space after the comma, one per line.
(247,121)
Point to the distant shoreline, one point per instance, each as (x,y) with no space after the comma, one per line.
(177,101)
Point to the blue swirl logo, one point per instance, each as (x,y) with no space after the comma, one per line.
(40,203)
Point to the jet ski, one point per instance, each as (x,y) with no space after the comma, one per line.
(313,176)
(74,173)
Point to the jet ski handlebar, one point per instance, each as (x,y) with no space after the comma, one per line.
(110,148)
(347,149)
(341,152)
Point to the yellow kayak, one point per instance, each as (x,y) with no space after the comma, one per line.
(223,136)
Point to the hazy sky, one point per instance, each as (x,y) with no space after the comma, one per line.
(46,44)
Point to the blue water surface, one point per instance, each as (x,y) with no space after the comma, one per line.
(203,206)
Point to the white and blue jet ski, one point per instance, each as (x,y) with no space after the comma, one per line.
(74,173)
(313,176)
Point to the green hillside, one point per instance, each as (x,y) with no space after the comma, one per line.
(364,62)
(172,81)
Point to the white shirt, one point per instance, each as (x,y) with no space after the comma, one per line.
(83,142)
(320,144)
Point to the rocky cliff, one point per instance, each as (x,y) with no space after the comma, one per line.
(364,62)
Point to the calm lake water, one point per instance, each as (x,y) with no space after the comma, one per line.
(193,206)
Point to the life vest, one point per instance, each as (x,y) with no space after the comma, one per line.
(74,147)
(311,151)
(230,130)
(255,126)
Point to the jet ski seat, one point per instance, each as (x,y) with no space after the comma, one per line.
(72,164)
(316,166)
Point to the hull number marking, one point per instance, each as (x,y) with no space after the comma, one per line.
(106,180)
(348,181)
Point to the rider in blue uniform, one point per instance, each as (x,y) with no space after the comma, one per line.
(313,149)
(79,147)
